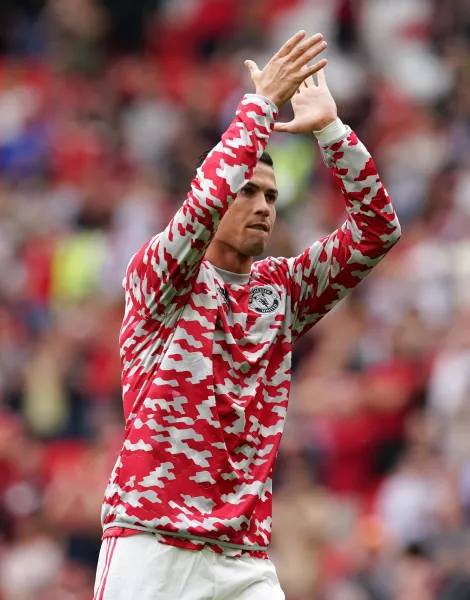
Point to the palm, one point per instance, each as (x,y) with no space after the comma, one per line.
(314,108)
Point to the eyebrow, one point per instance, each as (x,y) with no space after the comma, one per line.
(258,187)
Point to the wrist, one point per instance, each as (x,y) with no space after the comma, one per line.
(321,125)
(270,97)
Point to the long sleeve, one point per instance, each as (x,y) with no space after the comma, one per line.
(322,275)
(161,275)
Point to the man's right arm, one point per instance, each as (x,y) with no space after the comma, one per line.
(160,276)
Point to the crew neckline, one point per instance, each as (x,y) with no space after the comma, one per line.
(232,278)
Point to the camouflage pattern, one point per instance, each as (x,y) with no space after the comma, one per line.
(207,365)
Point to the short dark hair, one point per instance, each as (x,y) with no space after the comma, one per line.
(265,159)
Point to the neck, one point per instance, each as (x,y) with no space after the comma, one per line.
(227,258)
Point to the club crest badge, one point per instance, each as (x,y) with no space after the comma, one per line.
(264,300)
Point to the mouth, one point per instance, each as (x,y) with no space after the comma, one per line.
(259,227)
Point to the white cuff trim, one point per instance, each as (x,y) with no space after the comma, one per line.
(332,132)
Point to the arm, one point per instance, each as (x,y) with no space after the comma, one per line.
(326,271)
(160,276)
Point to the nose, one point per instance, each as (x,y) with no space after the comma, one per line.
(261,206)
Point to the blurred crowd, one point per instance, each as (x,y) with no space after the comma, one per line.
(104,109)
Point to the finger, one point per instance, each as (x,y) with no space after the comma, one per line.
(309,81)
(321,64)
(309,55)
(252,67)
(321,77)
(305,46)
(290,45)
(282,127)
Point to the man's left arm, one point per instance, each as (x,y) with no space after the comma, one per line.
(322,275)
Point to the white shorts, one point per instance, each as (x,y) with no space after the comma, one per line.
(141,568)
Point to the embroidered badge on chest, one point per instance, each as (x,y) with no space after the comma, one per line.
(264,300)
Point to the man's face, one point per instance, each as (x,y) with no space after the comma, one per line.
(248,223)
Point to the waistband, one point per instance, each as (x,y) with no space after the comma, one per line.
(184,535)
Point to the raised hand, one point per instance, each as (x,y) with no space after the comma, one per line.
(313,105)
(287,69)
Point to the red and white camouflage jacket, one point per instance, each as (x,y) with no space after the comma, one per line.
(206,365)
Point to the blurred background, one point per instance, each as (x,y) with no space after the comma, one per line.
(104,109)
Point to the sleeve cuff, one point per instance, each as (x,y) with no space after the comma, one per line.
(275,108)
(332,132)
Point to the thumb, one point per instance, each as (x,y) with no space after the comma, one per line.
(252,67)
(283,127)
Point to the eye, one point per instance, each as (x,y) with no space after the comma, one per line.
(271,198)
(247,191)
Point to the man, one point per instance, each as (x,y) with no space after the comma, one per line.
(206,350)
